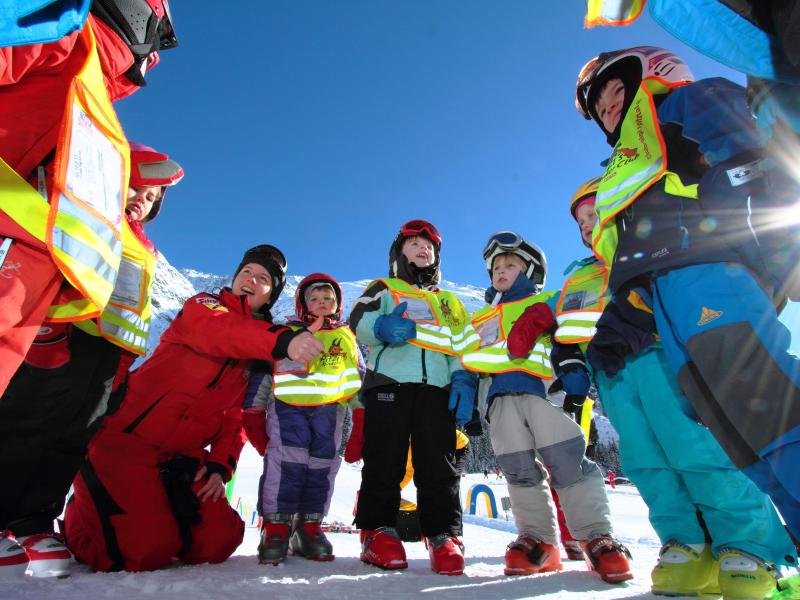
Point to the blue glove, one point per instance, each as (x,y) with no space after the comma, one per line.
(575,382)
(394,328)
(463,386)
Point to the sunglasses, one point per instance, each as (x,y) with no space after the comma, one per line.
(420,227)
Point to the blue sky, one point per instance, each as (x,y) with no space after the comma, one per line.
(320,126)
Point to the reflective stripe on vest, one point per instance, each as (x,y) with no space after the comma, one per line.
(612,12)
(126,319)
(331,377)
(637,162)
(442,322)
(582,300)
(493,324)
(81,224)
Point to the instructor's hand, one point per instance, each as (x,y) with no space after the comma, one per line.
(305,347)
(213,489)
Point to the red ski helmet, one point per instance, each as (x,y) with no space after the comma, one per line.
(150,168)
(310,282)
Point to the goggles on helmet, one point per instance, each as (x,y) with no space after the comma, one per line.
(272,253)
(508,241)
(420,227)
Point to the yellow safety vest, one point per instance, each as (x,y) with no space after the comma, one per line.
(493,323)
(612,12)
(331,377)
(582,300)
(126,319)
(638,161)
(82,223)
(442,322)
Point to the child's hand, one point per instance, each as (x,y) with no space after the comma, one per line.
(353,451)
(316,325)
(304,347)
(394,328)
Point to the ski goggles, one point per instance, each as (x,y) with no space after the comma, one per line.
(508,241)
(420,227)
(271,252)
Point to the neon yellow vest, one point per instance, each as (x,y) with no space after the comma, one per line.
(493,323)
(331,377)
(638,161)
(442,322)
(126,319)
(582,300)
(612,12)
(81,224)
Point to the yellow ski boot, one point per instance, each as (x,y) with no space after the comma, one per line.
(685,570)
(743,576)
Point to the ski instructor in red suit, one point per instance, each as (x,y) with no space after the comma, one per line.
(149,492)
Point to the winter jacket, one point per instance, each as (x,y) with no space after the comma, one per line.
(518,382)
(34,80)
(403,363)
(703,124)
(188,394)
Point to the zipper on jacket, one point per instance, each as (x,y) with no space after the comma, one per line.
(135,423)
(218,376)
(424,369)
(378,358)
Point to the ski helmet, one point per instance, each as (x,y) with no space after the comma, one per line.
(150,168)
(631,65)
(399,266)
(509,242)
(586,190)
(273,261)
(311,282)
(144,25)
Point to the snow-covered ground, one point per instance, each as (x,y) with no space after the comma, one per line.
(241,577)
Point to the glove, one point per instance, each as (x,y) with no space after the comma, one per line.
(394,328)
(255,426)
(463,386)
(354,450)
(573,406)
(536,320)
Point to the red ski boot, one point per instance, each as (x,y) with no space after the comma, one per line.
(447,554)
(382,547)
(609,558)
(527,555)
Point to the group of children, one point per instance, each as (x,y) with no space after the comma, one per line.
(674,318)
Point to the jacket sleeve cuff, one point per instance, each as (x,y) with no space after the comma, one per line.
(221,470)
(281,349)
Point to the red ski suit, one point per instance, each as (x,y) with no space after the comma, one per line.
(186,396)
(34,80)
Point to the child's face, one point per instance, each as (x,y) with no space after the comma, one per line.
(322,302)
(608,106)
(505,269)
(586,218)
(419,251)
(255,282)
(140,201)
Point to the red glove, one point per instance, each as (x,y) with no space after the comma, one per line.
(536,320)
(355,445)
(255,426)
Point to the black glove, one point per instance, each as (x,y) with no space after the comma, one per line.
(573,406)
(474,428)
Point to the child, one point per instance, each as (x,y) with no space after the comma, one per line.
(681,218)
(305,406)
(67,379)
(149,490)
(531,436)
(675,462)
(414,332)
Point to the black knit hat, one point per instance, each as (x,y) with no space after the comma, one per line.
(273,261)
